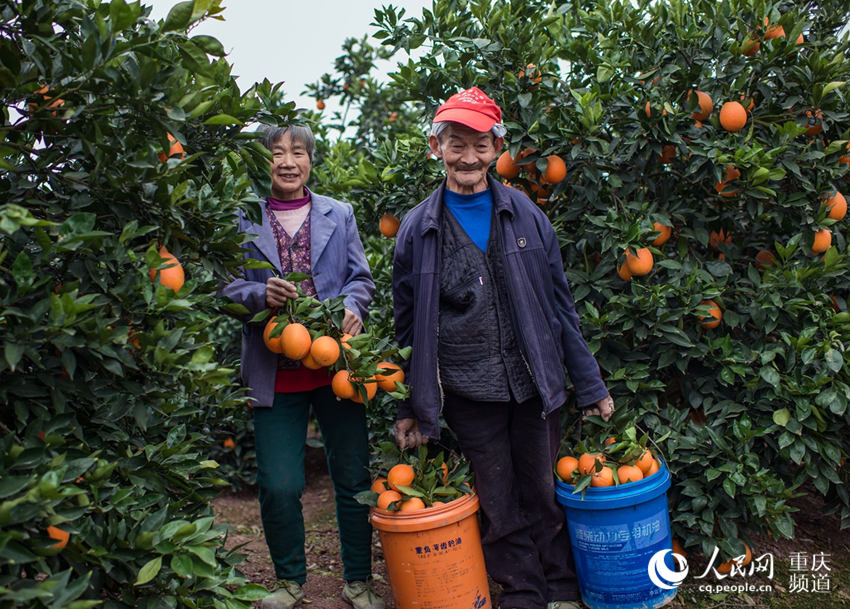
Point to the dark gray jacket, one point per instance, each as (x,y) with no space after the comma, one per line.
(540,301)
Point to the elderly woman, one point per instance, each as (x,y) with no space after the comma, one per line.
(302,231)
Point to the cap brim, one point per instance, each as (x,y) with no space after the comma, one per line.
(470,118)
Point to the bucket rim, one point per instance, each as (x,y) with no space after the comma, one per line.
(428,518)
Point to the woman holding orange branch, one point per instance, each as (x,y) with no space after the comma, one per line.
(307,233)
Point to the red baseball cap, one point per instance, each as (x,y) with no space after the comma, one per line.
(471,108)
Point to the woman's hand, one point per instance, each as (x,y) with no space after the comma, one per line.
(278,291)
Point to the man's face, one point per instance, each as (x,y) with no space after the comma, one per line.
(290,168)
(466,155)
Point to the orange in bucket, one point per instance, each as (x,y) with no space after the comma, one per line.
(434,557)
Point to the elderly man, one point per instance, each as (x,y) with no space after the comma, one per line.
(480,294)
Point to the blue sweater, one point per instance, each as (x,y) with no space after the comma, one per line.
(473,213)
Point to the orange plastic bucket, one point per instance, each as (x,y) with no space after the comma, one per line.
(434,556)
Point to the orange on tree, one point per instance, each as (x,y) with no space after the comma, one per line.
(295,340)
(821,241)
(665,231)
(556,170)
(733,117)
(507,167)
(60,535)
(565,467)
(668,152)
(324,351)
(645,461)
(400,475)
(629,473)
(750,46)
(732,173)
(388,497)
(774,31)
(320,104)
(387,380)
(814,125)
(175,149)
(714,313)
(388,225)
(640,262)
(587,462)
(764,259)
(272,344)
(604,477)
(342,386)
(624,273)
(229,443)
(715,238)
(412,504)
(370,387)
(379,485)
(43,92)
(836,205)
(172,276)
(706,105)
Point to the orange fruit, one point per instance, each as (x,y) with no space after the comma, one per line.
(400,475)
(648,110)
(774,31)
(750,46)
(645,461)
(393,116)
(311,364)
(726,567)
(668,153)
(715,238)
(732,173)
(229,443)
(836,204)
(764,259)
(706,105)
(412,505)
(533,74)
(665,231)
(175,149)
(444,469)
(341,385)
(343,340)
(733,117)
(629,473)
(822,241)
(43,91)
(565,468)
(172,276)
(388,225)
(387,380)
(371,389)
(604,477)
(556,170)
(506,167)
(320,104)
(295,340)
(273,344)
(388,497)
(678,548)
(379,485)
(61,536)
(653,468)
(639,263)
(624,273)
(325,350)
(715,313)
(800,39)
(587,462)
(609,441)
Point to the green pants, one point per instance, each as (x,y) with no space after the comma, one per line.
(280,432)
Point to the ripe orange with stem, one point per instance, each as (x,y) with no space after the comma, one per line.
(507,167)
(639,262)
(272,344)
(714,312)
(836,205)
(822,241)
(733,117)
(556,170)
(604,477)
(400,475)
(665,231)
(324,351)
(565,467)
(370,387)
(705,103)
(387,379)
(645,461)
(629,473)
(295,340)
(342,386)
(587,462)
(379,485)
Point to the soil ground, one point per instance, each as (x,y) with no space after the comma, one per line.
(815,533)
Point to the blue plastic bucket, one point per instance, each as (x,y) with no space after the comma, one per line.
(615,531)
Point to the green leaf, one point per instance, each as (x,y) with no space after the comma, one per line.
(151,568)
(250,592)
(207,555)
(781,417)
(209,45)
(834,360)
(179,16)
(13,353)
(222,119)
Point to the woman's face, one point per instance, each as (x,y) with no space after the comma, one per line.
(290,168)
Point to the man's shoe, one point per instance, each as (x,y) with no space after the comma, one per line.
(361,595)
(286,596)
(564,605)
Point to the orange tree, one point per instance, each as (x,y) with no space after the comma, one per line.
(121,136)
(632,97)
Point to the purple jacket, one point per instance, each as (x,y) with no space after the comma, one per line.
(338,265)
(540,301)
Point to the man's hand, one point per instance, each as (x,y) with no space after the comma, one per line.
(351,324)
(407,434)
(278,291)
(604,408)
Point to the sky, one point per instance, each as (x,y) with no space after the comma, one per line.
(288,41)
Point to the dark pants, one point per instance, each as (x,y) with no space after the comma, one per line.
(512,450)
(279,435)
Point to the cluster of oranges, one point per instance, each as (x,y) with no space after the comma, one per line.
(604,471)
(539,184)
(295,342)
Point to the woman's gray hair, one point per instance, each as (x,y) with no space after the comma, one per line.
(299,133)
(498,130)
